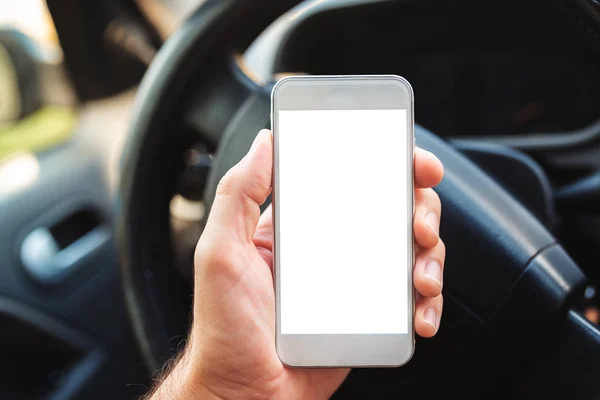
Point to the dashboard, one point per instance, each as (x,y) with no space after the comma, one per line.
(513,69)
(493,92)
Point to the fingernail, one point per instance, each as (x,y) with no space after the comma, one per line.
(430,316)
(432,220)
(433,271)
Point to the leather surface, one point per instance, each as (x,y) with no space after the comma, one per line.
(571,366)
(517,173)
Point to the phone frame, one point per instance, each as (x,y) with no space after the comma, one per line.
(330,93)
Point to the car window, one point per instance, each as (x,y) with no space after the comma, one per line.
(37,102)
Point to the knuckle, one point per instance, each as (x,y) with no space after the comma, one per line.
(211,256)
(439,302)
(420,195)
(228,183)
(258,189)
(428,199)
(265,181)
(434,201)
(236,182)
(441,249)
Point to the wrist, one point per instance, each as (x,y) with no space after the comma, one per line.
(183,382)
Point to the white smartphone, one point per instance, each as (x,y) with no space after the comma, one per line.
(343,199)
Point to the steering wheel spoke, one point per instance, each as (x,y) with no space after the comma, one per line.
(225,113)
(215,103)
(207,113)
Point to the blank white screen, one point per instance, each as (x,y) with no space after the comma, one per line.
(343,221)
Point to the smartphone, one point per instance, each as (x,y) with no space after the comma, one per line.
(343,198)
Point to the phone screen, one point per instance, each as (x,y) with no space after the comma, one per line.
(344,220)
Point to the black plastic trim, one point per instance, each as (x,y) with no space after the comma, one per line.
(569,365)
(517,172)
(489,235)
(554,141)
(80,373)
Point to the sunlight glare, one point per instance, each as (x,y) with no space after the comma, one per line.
(18,172)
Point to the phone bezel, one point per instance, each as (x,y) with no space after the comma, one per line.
(330,93)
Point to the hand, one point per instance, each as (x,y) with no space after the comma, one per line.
(231,348)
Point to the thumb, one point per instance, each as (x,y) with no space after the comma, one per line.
(236,208)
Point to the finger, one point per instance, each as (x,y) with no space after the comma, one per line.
(236,208)
(263,237)
(265,222)
(429,270)
(427,217)
(429,170)
(428,314)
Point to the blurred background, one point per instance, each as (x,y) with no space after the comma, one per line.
(38,103)
(68,77)
(526,81)
(37,110)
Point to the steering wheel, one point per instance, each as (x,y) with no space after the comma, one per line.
(507,280)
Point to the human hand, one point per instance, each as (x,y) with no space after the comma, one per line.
(231,348)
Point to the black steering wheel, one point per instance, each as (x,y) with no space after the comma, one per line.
(507,281)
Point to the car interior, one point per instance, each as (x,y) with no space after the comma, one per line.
(118,119)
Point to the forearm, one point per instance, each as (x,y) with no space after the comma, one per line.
(180,381)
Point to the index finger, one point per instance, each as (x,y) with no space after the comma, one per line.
(263,237)
(429,170)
